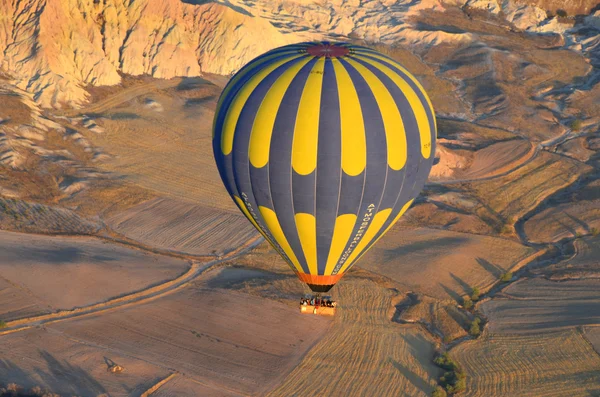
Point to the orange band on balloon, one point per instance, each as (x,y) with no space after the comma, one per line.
(318,280)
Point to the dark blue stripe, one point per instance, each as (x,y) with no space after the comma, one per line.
(241,141)
(329,163)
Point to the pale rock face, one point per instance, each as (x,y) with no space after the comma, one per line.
(487,5)
(523,16)
(53,48)
(550,26)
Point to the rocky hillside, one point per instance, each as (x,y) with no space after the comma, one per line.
(53,49)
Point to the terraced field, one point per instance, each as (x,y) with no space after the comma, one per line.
(573,214)
(174,225)
(538,305)
(364,353)
(440,263)
(517,193)
(585,262)
(553,364)
(497,158)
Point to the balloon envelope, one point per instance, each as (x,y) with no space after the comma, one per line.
(323,146)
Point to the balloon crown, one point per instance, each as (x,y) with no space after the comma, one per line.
(328,50)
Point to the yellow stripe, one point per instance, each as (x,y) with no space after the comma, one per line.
(354,145)
(402,211)
(262,129)
(274,227)
(233,113)
(307,231)
(376,224)
(403,69)
(306,131)
(239,76)
(394,128)
(341,234)
(415,102)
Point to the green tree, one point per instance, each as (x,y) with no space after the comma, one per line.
(439,392)
(475,331)
(595,231)
(506,277)
(2,324)
(561,13)
(467,303)
(475,294)
(575,124)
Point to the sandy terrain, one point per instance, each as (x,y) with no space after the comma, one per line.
(174,225)
(538,305)
(440,263)
(89,269)
(553,365)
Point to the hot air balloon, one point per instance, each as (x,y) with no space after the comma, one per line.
(323,146)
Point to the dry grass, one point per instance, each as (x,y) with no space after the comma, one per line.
(575,214)
(364,353)
(521,191)
(72,367)
(441,263)
(173,225)
(442,317)
(19,215)
(583,264)
(222,339)
(538,305)
(553,365)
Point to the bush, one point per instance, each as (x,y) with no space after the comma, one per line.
(446,362)
(475,331)
(439,392)
(561,13)
(575,125)
(595,231)
(475,294)
(506,229)
(467,303)
(2,324)
(506,277)
(578,235)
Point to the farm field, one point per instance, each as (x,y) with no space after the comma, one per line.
(225,340)
(593,335)
(552,364)
(53,360)
(89,268)
(573,214)
(442,264)
(364,353)
(179,226)
(538,305)
(585,262)
(497,158)
(513,195)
